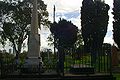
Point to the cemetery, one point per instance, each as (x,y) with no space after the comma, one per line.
(78,54)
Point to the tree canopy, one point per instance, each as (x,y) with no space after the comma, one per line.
(116,22)
(94,22)
(65,32)
(15,20)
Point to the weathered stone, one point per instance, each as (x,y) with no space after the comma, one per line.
(33,62)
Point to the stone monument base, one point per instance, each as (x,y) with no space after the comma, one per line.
(32,65)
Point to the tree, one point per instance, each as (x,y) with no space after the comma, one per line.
(65,34)
(3,11)
(116,22)
(16,20)
(79,41)
(94,22)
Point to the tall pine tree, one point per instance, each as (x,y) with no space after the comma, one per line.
(116,22)
(94,22)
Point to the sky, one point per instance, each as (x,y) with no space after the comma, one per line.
(70,10)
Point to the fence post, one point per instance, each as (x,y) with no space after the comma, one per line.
(2,69)
(111,60)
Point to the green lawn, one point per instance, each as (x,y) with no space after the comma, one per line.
(117,75)
(102,63)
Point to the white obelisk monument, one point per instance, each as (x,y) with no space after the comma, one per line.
(33,57)
(34,37)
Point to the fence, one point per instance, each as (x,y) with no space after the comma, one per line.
(7,66)
(73,63)
(81,63)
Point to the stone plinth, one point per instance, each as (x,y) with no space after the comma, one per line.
(32,65)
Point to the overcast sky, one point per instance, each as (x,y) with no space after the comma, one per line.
(70,10)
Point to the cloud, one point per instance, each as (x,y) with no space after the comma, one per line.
(43,37)
(73,14)
(70,10)
(109,36)
(110,2)
(109,33)
(63,5)
(108,40)
(68,15)
(76,21)
(70,4)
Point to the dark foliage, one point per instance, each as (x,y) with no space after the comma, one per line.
(94,22)
(116,22)
(15,19)
(65,33)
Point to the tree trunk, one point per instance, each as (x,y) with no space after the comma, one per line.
(61,59)
(19,48)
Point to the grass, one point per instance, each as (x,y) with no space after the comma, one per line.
(102,64)
(117,75)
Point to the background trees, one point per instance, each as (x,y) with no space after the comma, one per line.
(65,34)
(94,22)
(116,22)
(15,19)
